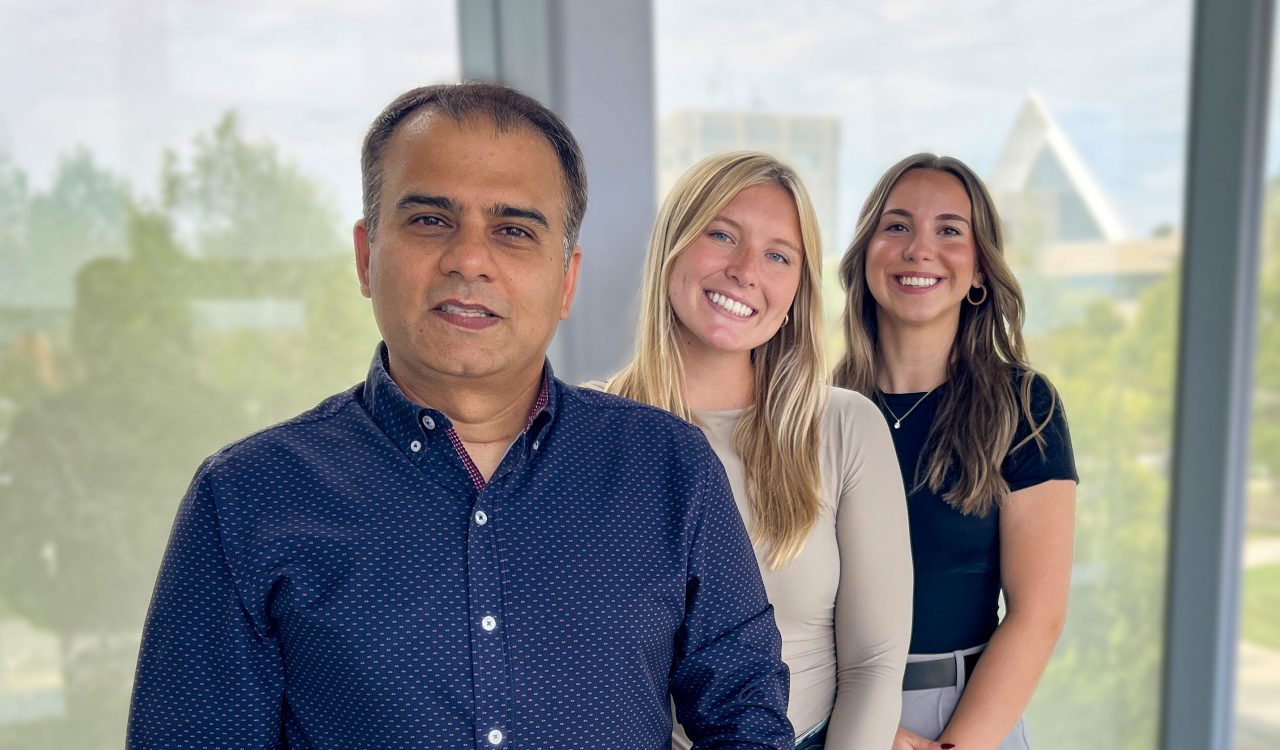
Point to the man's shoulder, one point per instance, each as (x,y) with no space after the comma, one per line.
(302,434)
(613,440)
(598,409)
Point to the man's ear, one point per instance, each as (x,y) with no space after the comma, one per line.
(360,233)
(570,288)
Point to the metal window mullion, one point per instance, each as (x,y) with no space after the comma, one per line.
(1231,62)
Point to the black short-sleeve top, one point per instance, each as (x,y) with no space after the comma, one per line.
(957,556)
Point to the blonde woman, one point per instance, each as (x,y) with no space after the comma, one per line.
(730,339)
(933,323)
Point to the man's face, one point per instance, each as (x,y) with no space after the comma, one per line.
(466,272)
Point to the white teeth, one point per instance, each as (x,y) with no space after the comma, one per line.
(920,281)
(733,306)
(464,312)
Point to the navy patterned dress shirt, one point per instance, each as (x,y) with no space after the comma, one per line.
(341,580)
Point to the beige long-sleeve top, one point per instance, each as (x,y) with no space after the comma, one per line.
(844,604)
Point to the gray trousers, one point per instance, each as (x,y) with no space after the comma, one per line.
(926,712)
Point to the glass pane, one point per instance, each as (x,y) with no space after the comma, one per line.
(1078,123)
(1258,670)
(177,184)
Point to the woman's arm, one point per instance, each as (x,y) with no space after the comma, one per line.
(873,600)
(1037,529)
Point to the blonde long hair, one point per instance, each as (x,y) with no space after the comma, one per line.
(777,437)
(979,413)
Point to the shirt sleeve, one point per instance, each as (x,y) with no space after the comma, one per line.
(874,597)
(1029,464)
(206,677)
(728,680)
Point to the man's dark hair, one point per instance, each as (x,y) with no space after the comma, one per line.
(507,109)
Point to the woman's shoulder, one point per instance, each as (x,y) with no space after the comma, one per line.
(1045,401)
(849,414)
(846,403)
(1041,446)
(1039,381)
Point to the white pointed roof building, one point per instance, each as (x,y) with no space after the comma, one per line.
(1040,178)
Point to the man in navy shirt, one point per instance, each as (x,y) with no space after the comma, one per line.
(462,551)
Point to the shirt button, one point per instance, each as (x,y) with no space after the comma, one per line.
(489,622)
(481,518)
(415,446)
(495,736)
(536,443)
(428,422)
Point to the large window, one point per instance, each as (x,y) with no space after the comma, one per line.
(177,184)
(1077,120)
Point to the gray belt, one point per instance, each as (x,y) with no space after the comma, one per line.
(937,673)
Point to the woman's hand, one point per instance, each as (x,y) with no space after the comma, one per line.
(908,740)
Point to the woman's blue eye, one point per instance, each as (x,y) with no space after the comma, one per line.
(778,257)
(716,234)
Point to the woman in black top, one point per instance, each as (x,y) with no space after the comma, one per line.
(933,326)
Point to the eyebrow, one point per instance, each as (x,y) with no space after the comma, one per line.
(726,220)
(504,211)
(415,200)
(906,213)
(775,241)
(499,211)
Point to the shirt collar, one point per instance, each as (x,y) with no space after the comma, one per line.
(403,420)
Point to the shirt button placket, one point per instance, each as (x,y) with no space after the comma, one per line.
(488,660)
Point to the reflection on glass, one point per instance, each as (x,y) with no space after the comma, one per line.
(1077,122)
(174,273)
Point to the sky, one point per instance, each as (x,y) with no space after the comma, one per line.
(914,75)
(130,78)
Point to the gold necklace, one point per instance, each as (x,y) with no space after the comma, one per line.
(897,421)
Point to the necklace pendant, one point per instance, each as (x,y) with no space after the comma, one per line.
(896,425)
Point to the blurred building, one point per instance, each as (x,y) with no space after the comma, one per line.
(1062,227)
(811,145)
(1041,180)
(1118,270)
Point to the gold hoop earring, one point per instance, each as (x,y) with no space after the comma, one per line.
(786,318)
(970,299)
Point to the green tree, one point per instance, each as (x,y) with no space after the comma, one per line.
(83,215)
(245,200)
(269,252)
(96,470)
(45,238)
(13,207)
(17,373)
(1115,378)
(1266,402)
(164,376)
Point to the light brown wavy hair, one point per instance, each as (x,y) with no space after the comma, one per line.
(981,408)
(777,437)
